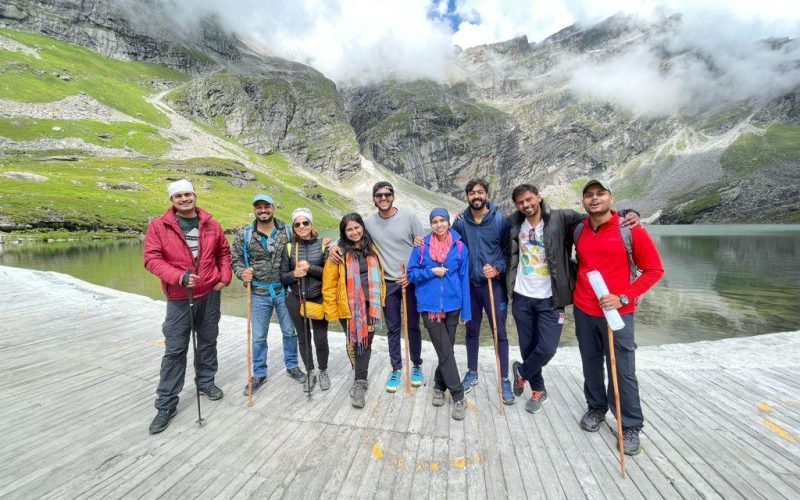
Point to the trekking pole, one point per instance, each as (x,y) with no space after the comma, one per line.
(194,346)
(405,329)
(496,348)
(307,335)
(306,332)
(613,362)
(249,354)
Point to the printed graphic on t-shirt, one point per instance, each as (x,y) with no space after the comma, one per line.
(191,240)
(532,258)
(533,273)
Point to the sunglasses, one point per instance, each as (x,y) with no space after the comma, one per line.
(304,223)
(382,195)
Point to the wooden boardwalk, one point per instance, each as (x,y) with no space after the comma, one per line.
(80,365)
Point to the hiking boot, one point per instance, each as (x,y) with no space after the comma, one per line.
(393,382)
(312,381)
(519,382)
(417,377)
(630,441)
(459,410)
(357,393)
(538,398)
(438,397)
(508,395)
(592,419)
(212,392)
(257,383)
(324,380)
(297,374)
(470,379)
(161,421)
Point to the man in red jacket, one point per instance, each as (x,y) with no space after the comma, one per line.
(186,248)
(600,247)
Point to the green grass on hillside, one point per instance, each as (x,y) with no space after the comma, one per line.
(751,152)
(142,139)
(119,84)
(72,194)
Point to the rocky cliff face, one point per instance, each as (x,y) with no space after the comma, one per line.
(267,103)
(529,126)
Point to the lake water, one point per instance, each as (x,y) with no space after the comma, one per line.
(720,281)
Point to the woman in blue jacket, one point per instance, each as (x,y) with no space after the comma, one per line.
(439,270)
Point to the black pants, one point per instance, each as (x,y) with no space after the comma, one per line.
(592,332)
(443,337)
(303,325)
(359,356)
(177,336)
(539,326)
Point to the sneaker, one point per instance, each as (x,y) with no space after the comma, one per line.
(470,379)
(519,382)
(161,421)
(324,380)
(357,393)
(459,410)
(297,374)
(308,387)
(393,382)
(212,392)
(630,441)
(508,396)
(257,382)
(538,398)
(438,397)
(417,377)
(592,419)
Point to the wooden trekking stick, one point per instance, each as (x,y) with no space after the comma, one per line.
(613,362)
(496,348)
(405,329)
(249,354)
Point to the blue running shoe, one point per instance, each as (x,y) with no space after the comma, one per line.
(508,396)
(470,379)
(417,377)
(393,382)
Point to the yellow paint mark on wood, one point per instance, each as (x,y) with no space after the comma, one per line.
(400,462)
(419,466)
(478,457)
(160,342)
(780,431)
(460,463)
(377,450)
(765,408)
(434,466)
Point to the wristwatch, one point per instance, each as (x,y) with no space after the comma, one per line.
(623,299)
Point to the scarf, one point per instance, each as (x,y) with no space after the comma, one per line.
(439,251)
(361,317)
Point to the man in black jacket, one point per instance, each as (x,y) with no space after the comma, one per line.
(541,276)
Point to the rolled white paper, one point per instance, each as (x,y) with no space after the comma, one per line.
(600,289)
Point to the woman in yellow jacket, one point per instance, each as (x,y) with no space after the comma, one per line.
(353,292)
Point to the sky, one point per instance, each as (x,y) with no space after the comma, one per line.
(363,41)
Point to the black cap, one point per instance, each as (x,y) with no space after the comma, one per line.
(382,184)
(593,182)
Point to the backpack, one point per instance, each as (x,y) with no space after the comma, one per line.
(627,241)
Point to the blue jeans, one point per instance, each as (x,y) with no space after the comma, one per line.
(261,307)
(539,326)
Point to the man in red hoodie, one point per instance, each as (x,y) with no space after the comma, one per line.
(600,247)
(186,248)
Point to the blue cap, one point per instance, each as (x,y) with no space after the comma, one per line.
(263,197)
(439,211)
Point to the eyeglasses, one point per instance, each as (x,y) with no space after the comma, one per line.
(304,223)
(383,195)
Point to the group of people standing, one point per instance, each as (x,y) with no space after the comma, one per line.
(450,276)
